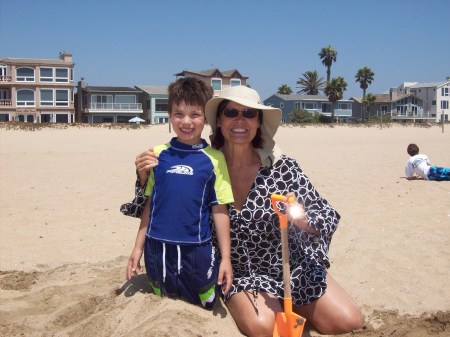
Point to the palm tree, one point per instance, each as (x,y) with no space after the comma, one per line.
(335,91)
(328,56)
(365,77)
(311,83)
(284,90)
(368,101)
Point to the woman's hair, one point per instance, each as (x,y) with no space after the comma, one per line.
(191,90)
(412,149)
(218,139)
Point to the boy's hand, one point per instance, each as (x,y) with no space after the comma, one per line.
(134,264)
(225,278)
(144,162)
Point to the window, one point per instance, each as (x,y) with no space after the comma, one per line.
(51,97)
(326,107)
(62,98)
(297,105)
(281,105)
(47,97)
(46,75)
(161,105)
(102,99)
(235,82)
(25,75)
(444,104)
(2,70)
(345,106)
(25,97)
(383,108)
(216,84)
(62,75)
(125,99)
(309,105)
(444,92)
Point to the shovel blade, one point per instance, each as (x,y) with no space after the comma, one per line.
(288,325)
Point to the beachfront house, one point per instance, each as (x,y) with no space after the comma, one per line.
(37,90)
(410,101)
(155,103)
(216,78)
(311,103)
(105,104)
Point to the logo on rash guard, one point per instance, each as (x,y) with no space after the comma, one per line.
(181,169)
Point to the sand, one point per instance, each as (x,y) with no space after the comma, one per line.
(64,244)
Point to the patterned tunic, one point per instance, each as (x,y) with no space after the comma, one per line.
(256,241)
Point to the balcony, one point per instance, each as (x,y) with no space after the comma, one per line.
(131,108)
(411,114)
(5,102)
(5,78)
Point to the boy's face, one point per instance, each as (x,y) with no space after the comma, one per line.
(188,122)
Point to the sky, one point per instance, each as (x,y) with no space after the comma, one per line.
(146,42)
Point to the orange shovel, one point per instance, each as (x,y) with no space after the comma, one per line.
(287,323)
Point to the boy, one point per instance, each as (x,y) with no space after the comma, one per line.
(418,166)
(190,179)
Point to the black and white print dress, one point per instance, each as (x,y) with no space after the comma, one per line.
(256,241)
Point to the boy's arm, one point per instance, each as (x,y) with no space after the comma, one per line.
(222,225)
(134,264)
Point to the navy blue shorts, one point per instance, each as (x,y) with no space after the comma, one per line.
(183,271)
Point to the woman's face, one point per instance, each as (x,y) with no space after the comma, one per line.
(238,129)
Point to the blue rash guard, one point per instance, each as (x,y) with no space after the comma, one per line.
(188,180)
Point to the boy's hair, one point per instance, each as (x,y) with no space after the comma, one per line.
(413,149)
(191,90)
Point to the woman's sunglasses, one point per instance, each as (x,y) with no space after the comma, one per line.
(246,113)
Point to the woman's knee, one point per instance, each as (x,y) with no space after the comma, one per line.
(348,319)
(259,327)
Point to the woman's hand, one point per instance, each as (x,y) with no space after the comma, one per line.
(144,162)
(296,212)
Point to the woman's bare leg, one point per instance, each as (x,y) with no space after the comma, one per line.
(242,308)
(335,312)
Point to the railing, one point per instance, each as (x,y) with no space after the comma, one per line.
(5,78)
(411,114)
(115,106)
(5,102)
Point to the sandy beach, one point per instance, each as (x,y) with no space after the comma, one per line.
(64,243)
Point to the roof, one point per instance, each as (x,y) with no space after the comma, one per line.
(385,98)
(298,97)
(214,72)
(154,90)
(35,62)
(429,85)
(110,89)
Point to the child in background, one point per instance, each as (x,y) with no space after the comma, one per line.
(190,181)
(418,166)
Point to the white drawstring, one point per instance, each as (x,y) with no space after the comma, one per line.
(179,259)
(164,262)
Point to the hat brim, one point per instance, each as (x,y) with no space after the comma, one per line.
(271,116)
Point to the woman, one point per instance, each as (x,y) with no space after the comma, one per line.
(243,129)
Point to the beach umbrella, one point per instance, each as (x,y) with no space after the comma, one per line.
(136,120)
(287,323)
